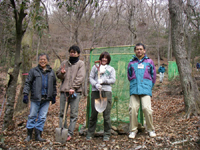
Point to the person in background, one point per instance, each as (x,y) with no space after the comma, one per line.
(72,75)
(107,77)
(142,76)
(41,82)
(161,70)
(198,66)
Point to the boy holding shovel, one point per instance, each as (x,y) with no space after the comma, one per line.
(72,75)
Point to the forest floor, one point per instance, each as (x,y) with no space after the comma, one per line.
(173,130)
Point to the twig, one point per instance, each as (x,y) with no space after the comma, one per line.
(180,142)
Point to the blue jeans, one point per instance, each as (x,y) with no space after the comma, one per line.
(38,111)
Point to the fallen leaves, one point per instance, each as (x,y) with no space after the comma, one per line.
(173,130)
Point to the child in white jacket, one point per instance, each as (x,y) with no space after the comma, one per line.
(107,77)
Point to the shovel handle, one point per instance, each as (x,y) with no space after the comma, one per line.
(100,94)
(99,62)
(66,104)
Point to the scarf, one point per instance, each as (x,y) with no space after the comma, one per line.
(102,69)
(73,60)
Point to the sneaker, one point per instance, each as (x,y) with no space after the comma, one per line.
(106,138)
(152,134)
(88,138)
(69,138)
(132,134)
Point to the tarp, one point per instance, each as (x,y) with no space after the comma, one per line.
(172,70)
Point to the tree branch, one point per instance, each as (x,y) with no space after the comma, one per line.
(15,11)
(46,15)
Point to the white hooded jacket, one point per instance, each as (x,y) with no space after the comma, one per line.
(107,75)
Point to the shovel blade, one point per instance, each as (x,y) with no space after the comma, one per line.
(100,104)
(61,135)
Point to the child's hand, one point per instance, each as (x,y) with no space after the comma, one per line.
(63,69)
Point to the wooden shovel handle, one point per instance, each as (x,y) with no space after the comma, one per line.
(66,104)
(99,62)
(100,94)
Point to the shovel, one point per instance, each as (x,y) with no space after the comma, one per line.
(62,133)
(100,103)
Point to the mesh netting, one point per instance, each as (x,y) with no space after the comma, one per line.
(120,57)
(172,70)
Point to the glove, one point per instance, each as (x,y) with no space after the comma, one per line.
(98,86)
(100,81)
(73,96)
(25,99)
(53,100)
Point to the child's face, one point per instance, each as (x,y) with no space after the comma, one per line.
(104,61)
(73,53)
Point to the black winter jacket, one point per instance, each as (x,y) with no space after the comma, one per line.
(33,83)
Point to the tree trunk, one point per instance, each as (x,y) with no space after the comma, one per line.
(187,29)
(131,25)
(11,90)
(191,93)
(27,42)
(169,56)
(87,57)
(26,65)
(38,46)
(158,51)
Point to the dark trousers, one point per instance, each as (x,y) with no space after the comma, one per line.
(106,114)
(74,105)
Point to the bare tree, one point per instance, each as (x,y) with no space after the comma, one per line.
(130,8)
(157,11)
(19,15)
(190,89)
(191,27)
(187,29)
(7,36)
(93,11)
(169,49)
(27,46)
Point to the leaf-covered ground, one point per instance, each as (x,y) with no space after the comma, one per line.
(173,130)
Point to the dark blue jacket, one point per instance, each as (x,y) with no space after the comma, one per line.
(161,69)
